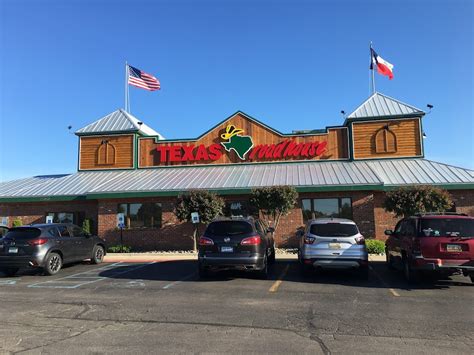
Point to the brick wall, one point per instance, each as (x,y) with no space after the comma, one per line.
(367,210)
(35,212)
(464,200)
(173,235)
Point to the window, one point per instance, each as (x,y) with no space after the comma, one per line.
(76,231)
(229,228)
(62,217)
(106,153)
(326,207)
(63,231)
(385,141)
(141,215)
(236,208)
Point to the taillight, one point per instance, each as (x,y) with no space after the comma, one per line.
(309,240)
(205,241)
(255,240)
(40,241)
(360,240)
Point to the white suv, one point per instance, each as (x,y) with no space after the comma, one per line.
(333,243)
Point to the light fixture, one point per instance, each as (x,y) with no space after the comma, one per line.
(424,135)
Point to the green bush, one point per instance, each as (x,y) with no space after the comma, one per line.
(406,201)
(87,226)
(17,222)
(375,246)
(119,249)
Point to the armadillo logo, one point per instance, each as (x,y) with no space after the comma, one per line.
(241,145)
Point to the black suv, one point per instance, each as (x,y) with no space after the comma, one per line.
(236,243)
(48,246)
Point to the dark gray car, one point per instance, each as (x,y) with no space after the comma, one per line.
(48,246)
(236,243)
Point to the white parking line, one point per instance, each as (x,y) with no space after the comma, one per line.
(190,276)
(89,277)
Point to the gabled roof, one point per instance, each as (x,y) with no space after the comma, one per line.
(380,105)
(117,122)
(239,178)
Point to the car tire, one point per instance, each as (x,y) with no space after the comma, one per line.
(388,260)
(10,271)
(263,274)
(471,276)
(98,254)
(411,275)
(53,264)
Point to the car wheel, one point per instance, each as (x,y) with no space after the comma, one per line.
(410,274)
(263,274)
(388,260)
(98,254)
(11,271)
(53,264)
(471,276)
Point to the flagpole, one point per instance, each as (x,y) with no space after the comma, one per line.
(126,86)
(373,69)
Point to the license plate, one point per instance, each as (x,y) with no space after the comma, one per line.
(227,249)
(334,246)
(454,248)
(13,250)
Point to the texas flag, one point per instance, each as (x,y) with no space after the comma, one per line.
(383,67)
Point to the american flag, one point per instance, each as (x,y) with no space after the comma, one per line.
(140,79)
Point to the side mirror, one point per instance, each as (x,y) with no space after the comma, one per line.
(389,232)
(270,230)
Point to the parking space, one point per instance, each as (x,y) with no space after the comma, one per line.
(321,313)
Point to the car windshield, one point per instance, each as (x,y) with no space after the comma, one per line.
(229,228)
(452,227)
(23,233)
(334,230)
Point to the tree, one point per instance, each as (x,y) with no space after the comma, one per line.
(17,222)
(274,202)
(206,203)
(406,201)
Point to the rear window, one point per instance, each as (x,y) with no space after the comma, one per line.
(334,230)
(229,228)
(453,227)
(23,233)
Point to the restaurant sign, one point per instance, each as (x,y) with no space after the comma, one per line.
(234,140)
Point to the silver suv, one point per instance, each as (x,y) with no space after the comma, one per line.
(332,243)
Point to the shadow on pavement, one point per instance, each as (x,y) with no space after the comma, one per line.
(380,276)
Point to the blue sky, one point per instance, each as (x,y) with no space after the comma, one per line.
(291,64)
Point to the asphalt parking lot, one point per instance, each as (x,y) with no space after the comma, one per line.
(163,307)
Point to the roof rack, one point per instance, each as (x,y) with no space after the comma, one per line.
(439,214)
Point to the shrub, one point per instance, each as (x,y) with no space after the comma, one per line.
(17,222)
(119,249)
(87,226)
(406,201)
(375,246)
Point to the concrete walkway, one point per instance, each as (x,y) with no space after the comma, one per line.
(157,257)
